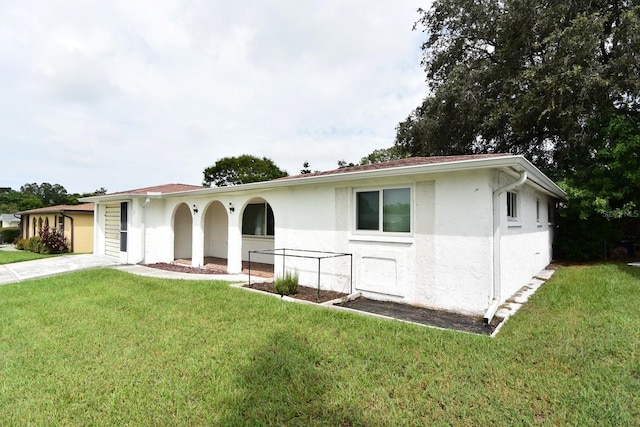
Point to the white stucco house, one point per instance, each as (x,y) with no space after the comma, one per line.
(457,233)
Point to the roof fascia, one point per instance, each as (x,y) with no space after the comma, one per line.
(123,196)
(516,161)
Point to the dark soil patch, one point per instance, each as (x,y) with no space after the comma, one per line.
(424,316)
(304,292)
(184,268)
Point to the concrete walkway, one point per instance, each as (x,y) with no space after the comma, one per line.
(19,271)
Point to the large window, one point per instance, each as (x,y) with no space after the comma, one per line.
(386,210)
(258,220)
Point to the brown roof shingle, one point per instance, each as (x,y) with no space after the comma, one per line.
(409,161)
(84,207)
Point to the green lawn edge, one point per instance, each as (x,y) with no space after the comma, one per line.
(106,347)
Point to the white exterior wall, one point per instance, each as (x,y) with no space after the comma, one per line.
(526,243)
(158,234)
(98,229)
(216,227)
(464,242)
(445,262)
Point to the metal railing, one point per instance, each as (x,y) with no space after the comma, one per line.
(305,253)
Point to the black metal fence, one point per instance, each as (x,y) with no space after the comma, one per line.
(309,254)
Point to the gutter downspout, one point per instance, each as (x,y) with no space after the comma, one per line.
(497,237)
(71,221)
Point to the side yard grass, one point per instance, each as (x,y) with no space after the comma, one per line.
(104,347)
(8,257)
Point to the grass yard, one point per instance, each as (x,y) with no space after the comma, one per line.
(104,347)
(8,257)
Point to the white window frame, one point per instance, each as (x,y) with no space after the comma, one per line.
(512,205)
(380,231)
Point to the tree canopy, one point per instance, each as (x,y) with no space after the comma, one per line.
(524,76)
(558,82)
(241,170)
(383,155)
(34,196)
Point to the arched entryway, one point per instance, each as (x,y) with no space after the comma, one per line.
(182,232)
(258,230)
(215,225)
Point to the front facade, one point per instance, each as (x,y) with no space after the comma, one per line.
(75,221)
(455,233)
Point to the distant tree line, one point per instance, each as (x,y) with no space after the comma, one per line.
(34,196)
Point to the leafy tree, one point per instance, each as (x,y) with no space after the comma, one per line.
(343,164)
(48,194)
(376,156)
(383,155)
(9,200)
(72,199)
(603,191)
(241,170)
(524,76)
(30,201)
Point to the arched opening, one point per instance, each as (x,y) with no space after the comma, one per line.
(258,233)
(39,225)
(215,225)
(182,233)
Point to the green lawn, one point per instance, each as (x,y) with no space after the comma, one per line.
(7,257)
(104,347)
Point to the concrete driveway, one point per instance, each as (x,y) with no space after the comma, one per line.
(19,271)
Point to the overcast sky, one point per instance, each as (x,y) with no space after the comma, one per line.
(124,94)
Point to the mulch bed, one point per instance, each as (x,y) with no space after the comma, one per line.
(304,292)
(424,316)
(184,268)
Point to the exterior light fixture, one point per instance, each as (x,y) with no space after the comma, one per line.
(231,208)
(195,209)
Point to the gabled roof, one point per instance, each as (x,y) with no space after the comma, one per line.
(85,207)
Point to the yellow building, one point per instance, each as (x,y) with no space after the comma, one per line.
(76,222)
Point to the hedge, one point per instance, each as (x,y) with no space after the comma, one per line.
(8,235)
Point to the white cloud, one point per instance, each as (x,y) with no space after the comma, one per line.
(126,94)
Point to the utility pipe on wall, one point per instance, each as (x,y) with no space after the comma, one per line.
(497,236)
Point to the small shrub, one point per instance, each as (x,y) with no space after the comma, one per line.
(32,244)
(288,284)
(52,241)
(20,244)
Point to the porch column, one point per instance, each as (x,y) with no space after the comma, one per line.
(234,251)
(197,241)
